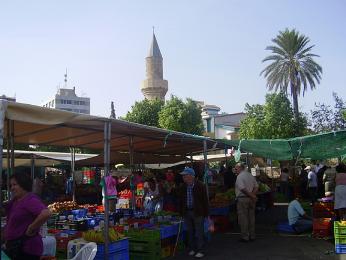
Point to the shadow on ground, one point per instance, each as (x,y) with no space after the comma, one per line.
(269,244)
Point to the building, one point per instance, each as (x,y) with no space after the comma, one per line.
(12,99)
(154,86)
(220,126)
(66,99)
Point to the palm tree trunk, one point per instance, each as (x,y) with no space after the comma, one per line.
(295,109)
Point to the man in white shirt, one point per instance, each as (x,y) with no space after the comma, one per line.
(312,183)
(246,188)
(297,217)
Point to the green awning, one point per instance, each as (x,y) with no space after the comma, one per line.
(320,146)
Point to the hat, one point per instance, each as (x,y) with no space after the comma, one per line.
(307,168)
(188,171)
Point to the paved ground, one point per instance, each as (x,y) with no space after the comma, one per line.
(269,244)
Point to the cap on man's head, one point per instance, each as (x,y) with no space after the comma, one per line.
(307,168)
(188,171)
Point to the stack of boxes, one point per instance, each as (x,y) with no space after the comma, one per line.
(323,215)
(340,237)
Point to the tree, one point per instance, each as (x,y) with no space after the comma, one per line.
(145,112)
(292,66)
(272,120)
(183,117)
(324,118)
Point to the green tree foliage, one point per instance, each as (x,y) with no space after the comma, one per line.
(145,112)
(324,118)
(292,66)
(183,117)
(272,120)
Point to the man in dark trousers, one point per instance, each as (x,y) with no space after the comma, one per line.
(194,207)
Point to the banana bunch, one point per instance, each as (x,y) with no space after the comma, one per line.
(98,237)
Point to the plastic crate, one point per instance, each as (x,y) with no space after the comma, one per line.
(166,251)
(119,255)
(221,223)
(144,234)
(169,231)
(340,239)
(340,249)
(323,210)
(119,245)
(145,246)
(339,228)
(145,255)
(224,211)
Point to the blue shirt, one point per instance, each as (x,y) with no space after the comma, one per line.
(294,212)
(189,202)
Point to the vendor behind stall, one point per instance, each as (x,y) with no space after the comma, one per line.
(152,196)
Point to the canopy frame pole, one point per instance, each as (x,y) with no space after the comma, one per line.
(32,168)
(11,150)
(73,158)
(3,105)
(8,170)
(206,167)
(131,153)
(106,158)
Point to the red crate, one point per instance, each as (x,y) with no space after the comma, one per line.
(322,227)
(221,223)
(323,210)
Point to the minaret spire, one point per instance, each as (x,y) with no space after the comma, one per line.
(65,78)
(154,87)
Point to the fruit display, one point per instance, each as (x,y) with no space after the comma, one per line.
(262,187)
(58,207)
(223,199)
(98,236)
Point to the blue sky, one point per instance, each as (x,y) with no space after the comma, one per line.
(212,49)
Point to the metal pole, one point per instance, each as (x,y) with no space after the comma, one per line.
(8,159)
(32,168)
(2,118)
(205,166)
(12,146)
(133,201)
(73,157)
(107,137)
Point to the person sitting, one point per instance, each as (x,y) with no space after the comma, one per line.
(297,218)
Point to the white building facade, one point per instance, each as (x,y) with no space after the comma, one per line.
(66,99)
(220,126)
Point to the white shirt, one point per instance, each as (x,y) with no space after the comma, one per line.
(294,212)
(284,177)
(245,180)
(312,178)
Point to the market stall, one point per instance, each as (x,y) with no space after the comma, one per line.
(27,124)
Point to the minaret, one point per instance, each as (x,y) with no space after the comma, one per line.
(154,86)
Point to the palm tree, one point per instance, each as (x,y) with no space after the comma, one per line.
(292,65)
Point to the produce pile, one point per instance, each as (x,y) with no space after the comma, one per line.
(58,207)
(223,199)
(262,187)
(98,236)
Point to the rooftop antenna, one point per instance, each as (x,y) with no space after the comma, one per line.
(65,78)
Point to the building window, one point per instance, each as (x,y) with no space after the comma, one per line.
(208,125)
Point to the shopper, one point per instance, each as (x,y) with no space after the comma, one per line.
(246,188)
(340,191)
(312,184)
(297,217)
(193,206)
(25,215)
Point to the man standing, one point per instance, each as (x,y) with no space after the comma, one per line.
(312,183)
(246,188)
(194,207)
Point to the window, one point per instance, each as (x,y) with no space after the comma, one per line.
(208,125)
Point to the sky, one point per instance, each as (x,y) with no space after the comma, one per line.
(212,49)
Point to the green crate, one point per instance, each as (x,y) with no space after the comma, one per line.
(339,228)
(145,255)
(144,246)
(340,239)
(144,234)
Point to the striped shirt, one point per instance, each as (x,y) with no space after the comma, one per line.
(189,202)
